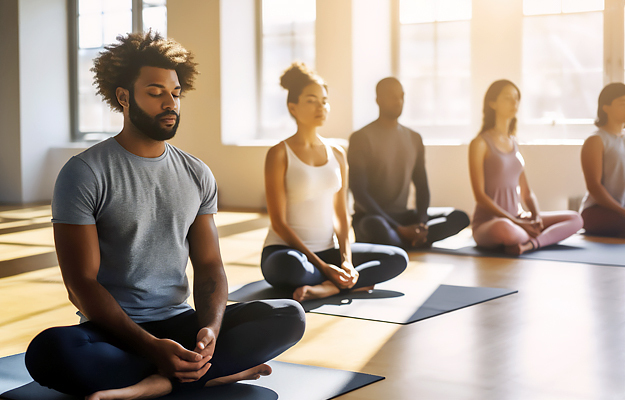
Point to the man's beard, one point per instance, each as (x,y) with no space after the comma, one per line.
(151,127)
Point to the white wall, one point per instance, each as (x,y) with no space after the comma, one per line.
(34,97)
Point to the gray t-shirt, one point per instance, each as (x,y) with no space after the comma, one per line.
(388,159)
(142,209)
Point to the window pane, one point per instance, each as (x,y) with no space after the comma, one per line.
(416,11)
(155,18)
(453,10)
(99,24)
(115,24)
(569,6)
(435,65)
(537,7)
(90,7)
(562,68)
(420,11)
(288,36)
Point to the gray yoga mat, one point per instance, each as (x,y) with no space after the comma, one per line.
(288,381)
(398,308)
(576,249)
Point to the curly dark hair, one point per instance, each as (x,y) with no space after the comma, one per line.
(119,64)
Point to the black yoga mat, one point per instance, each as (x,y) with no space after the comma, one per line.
(288,381)
(576,249)
(398,307)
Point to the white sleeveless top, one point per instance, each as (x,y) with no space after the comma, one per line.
(310,194)
(613,171)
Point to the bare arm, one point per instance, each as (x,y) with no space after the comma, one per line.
(528,197)
(340,209)
(420,180)
(275,190)
(592,166)
(210,286)
(79,259)
(342,225)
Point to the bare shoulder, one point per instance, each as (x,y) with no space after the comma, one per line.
(276,152)
(593,142)
(339,153)
(477,144)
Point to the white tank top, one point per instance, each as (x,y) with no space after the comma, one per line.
(613,173)
(310,194)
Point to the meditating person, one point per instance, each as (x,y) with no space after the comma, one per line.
(307,249)
(384,158)
(499,183)
(603,163)
(128,213)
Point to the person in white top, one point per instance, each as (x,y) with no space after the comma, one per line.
(603,163)
(307,249)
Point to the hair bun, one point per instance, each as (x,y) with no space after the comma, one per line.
(297,73)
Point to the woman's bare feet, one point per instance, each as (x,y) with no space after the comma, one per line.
(249,374)
(520,248)
(320,291)
(149,388)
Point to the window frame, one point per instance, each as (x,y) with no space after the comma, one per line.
(73,20)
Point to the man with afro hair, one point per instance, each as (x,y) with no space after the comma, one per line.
(128,213)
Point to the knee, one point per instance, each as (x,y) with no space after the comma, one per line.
(577,221)
(45,355)
(286,269)
(460,219)
(399,259)
(287,316)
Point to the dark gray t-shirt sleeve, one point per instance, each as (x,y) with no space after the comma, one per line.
(75,197)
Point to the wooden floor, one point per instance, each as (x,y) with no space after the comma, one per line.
(561,337)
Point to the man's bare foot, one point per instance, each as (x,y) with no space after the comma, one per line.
(149,388)
(520,248)
(320,291)
(249,374)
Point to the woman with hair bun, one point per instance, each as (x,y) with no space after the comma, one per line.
(603,163)
(500,185)
(307,249)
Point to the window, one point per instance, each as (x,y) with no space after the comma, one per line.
(435,62)
(288,34)
(97,24)
(562,69)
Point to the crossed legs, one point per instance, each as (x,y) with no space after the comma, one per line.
(443,222)
(83,359)
(289,269)
(502,232)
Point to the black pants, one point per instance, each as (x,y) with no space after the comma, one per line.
(83,359)
(442,223)
(286,268)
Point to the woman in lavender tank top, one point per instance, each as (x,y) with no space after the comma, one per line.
(500,186)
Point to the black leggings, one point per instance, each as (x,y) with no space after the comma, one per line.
(286,268)
(442,223)
(83,359)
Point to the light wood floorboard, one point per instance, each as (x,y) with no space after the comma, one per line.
(561,337)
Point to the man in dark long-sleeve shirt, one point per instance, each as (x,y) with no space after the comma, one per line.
(384,158)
